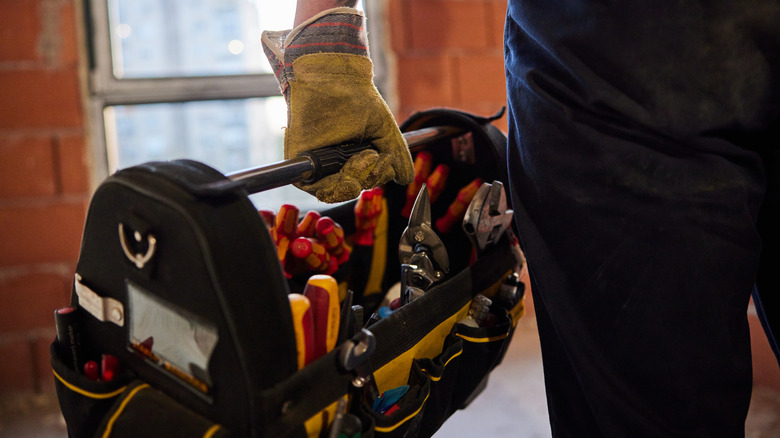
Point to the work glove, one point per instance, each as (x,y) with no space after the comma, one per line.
(326,77)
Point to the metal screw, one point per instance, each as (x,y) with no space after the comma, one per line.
(419,236)
(116,315)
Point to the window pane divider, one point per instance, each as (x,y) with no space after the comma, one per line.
(181,89)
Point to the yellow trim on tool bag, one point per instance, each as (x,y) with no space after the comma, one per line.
(410,416)
(517,312)
(85,393)
(437,378)
(396,372)
(379,256)
(121,408)
(212,430)
(482,340)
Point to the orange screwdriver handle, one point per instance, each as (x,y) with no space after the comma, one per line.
(308,225)
(367,210)
(286,223)
(303,325)
(312,254)
(457,209)
(437,181)
(268,217)
(323,294)
(423,163)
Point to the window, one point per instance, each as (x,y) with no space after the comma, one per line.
(188,79)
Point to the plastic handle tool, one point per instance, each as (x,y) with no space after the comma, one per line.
(304,328)
(323,294)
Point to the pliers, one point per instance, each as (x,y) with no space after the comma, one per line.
(487,217)
(424,259)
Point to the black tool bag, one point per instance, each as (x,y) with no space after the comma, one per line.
(179,279)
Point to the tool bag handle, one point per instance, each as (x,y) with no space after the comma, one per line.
(316,164)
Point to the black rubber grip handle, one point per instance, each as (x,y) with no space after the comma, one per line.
(331,159)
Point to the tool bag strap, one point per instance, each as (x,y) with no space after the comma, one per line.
(322,382)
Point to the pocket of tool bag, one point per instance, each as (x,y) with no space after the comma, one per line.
(84,402)
(407,419)
(141,410)
(482,349)
(442,371)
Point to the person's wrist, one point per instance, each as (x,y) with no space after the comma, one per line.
(337,30)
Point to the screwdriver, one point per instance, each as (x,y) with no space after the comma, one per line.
(323,294)
(437,181)
(312,255)
(422,169)
(457,209)
(286,223)
(303,325)
(331,234)
(367,210)
(308,225)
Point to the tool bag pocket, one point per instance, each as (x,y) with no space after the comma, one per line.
(141,410)
(81,397)
(407,417)
(482,348)
(122,407)
(442,372)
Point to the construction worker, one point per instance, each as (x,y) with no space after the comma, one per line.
(643,162)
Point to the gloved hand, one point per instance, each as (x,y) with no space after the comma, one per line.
(326,77)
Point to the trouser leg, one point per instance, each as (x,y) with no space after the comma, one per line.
(644,260)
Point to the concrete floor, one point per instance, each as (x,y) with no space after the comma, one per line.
(512,405)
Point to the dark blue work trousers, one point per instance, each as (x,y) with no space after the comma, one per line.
(644,175)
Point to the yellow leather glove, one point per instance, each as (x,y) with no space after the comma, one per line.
(326,77)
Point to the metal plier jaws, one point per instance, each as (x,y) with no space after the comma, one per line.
(487,216)
(423,257)
(353,356)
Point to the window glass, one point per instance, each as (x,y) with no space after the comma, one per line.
(163,38)
(228,135)
(152,40)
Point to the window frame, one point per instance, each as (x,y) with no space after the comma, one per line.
(106,90)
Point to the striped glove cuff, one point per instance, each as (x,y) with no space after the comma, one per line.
(339,30)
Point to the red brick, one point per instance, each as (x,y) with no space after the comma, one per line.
(46,233)
(481,78)
(40,99)
(496,18)
(26,167)
(19,29)
(397,24)
(426,80)
(72,162)
(16,368)
(448,24)
(42,363)
(68,49)
(33,298)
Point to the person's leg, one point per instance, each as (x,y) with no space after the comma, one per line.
(637,214)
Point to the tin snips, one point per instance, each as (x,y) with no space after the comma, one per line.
(424,259)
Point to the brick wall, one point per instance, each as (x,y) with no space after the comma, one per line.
(43,181)
(449,53)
